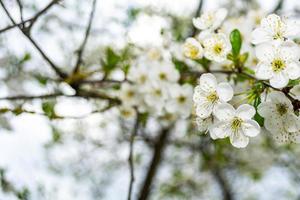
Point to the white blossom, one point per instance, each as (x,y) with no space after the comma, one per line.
(204,124)
(139,74)
(192,49)
(210,20)
(209,93)
(278,63)
(180,100)
(279,114)
(274,28)
(236,124)
(164,72)
(155,97)
(129,95)
(216,46)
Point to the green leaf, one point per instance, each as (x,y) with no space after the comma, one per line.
(236,42)
(48,108)
(180,65)
(259,119)
(111,60)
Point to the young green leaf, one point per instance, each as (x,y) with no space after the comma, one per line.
(236,42)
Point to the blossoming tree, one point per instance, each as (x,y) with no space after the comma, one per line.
(226,73)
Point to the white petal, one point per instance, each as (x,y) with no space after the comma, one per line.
(279,97)
(263,71)
(293,70)
(272,124)
(265,52)
(265,109)
(199,95)
(251,128)
(204,110)
(292,123)
(292,28)
(239,140)
(220,16)
(220,129)
(198,23)
(224,111)
(290,51)
(279,80)
(208,82)
(204,124)
(245,111)
(225,91)
(259,35)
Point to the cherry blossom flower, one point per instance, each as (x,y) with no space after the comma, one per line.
(192,49)
(209,93)
(181,100)
(210,20)
(278,63)
(216,46)
(275,29)
(279,114)
(236,124)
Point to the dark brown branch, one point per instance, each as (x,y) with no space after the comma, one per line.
(82,94)
(26,31)
(86,36)
(155,161)
(31,20)
(25,97)
(225,188)
(130,157)
(20,9)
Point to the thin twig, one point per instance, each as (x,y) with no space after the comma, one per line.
(26,32)
(82,94)
(278,7)
(20,9)
(85,39)
(154,164)
(130,157)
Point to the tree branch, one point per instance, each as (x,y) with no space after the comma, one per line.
(278,7)
(26,31)
(226,190)
(85,39)
(82,94)
(155,161)
(130,157)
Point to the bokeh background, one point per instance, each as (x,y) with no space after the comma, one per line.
(83,156)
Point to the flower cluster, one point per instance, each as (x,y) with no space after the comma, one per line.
(153,88)
(219,117)
(213,46)
(278,55)
(260,49)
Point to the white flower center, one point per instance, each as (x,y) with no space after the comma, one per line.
(278,31)
(143,78)
(162,76)
(212,97)
(281,108)
(236,124)
(181,99)
(130,93)
(278,65)
(192,51)
(218,48)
